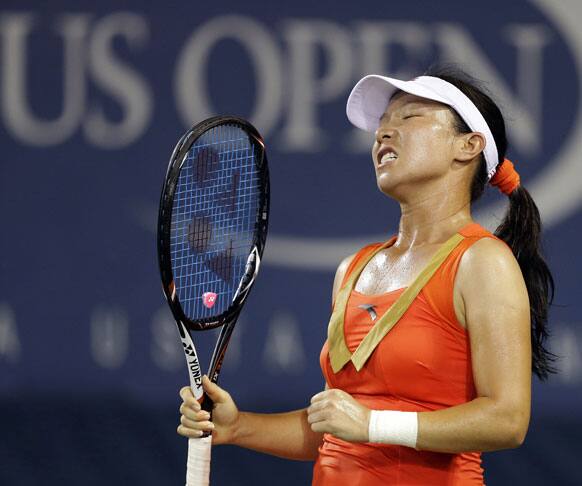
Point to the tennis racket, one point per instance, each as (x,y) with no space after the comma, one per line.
(212,226)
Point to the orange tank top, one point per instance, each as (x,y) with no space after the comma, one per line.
(422,364)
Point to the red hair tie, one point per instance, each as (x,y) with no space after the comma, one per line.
(506,178)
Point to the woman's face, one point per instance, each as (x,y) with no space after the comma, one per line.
(414,144)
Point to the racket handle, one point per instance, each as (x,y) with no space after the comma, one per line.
(207,405)
(198,465)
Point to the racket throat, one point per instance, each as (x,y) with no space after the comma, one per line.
(194,370)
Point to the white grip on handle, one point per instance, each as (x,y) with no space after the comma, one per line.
(198,467)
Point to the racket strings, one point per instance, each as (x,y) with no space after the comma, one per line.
(214,219)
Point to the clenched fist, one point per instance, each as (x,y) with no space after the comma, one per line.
(336,412)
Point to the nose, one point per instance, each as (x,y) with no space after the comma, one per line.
(384,133)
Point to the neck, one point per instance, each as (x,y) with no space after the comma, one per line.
(432,220)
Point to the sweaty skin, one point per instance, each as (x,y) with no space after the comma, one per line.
(430,179)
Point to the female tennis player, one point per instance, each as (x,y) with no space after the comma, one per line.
(434,333)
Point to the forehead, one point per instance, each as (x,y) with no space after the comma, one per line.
(406,100)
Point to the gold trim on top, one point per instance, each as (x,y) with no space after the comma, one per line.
(339,354)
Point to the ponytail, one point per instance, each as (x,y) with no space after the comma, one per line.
(521,228)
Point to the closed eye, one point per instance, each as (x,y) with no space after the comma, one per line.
(409,116)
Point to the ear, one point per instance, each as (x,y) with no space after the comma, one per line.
(468,146)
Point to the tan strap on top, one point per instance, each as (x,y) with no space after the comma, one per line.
(339,354)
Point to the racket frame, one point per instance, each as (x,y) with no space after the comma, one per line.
(228,318)
(177,160)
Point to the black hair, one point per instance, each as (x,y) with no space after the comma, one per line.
(521,228)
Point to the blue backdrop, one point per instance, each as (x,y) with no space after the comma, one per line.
(93,97)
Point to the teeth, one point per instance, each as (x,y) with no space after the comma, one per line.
(389,156)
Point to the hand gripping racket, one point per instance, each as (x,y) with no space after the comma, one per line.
(212,226)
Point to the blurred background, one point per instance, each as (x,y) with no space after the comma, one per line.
(93,97)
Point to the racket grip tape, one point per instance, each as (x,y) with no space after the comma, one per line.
(198,465)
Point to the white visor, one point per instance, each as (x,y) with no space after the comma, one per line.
(369,98)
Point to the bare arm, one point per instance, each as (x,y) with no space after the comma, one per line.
(287,435)
(497,314)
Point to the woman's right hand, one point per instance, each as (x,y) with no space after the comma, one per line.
(194,420)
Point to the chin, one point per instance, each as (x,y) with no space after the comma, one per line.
(386,187)
(394,187)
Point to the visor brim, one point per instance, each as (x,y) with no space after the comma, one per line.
(370,97)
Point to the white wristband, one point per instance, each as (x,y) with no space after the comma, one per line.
(393,427)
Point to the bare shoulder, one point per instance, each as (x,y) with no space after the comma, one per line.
(489,273)
(489,258)
(340,273)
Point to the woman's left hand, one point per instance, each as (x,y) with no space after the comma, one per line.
(336,412)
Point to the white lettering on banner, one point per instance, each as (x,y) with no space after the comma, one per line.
(82,47)
(166,349)
(522,105)
(191,92)
(89,55)
(109,336)
(16,112)
(120,81)
(375,40)
(555,188)
(306,90)
(284,351)
(530,41)
(566,342)
(9,341)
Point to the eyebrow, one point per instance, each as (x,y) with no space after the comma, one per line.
(415,104)
(386,115)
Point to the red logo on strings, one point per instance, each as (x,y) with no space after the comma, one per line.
(209,299)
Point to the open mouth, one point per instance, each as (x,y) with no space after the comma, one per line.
(385,156)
